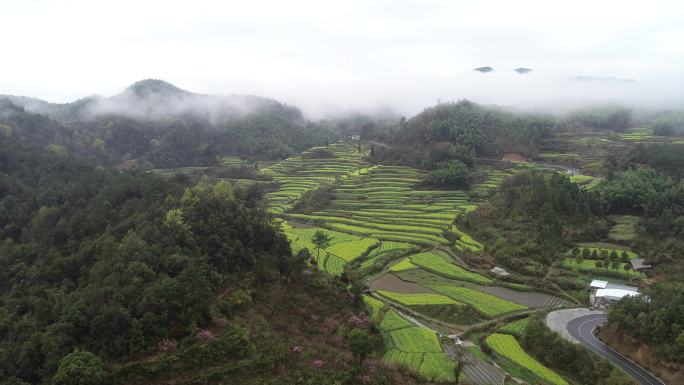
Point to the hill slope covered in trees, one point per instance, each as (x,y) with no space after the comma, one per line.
(153,124)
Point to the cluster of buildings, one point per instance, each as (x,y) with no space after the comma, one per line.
(603,293)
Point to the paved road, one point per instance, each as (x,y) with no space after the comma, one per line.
(582,329)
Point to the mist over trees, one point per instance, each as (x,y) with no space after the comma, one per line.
(488,131)
(153,124)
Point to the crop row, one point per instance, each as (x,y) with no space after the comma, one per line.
(350,250)
(343,247)
(418,299)
(486,303)
(299,174)
(435,263)
(413,347)
(404,264)
(414,339)
(393,235)
(393,321)
(381,204)
(425,229)
(508,347)
(516,328)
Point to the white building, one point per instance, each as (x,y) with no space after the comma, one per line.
(603,293)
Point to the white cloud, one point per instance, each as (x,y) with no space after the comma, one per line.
(350,53)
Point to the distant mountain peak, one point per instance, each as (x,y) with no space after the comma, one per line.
(523,70)
(484,69)
(148,87)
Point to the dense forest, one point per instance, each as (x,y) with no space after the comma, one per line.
(489,131)
(648,181)
(446,139)
(112,263)
(127,277)
(533,215)
(656,320)
(119,275)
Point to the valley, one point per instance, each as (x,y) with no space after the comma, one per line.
(430,256)
(402,241)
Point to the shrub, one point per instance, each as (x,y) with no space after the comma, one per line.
(80,368)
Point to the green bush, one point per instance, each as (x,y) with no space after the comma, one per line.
(234,301)
(80,368)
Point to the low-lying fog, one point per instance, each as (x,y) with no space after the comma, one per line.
(332,57)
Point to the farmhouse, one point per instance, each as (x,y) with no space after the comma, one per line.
(603,293)
(572,172)
(499,271)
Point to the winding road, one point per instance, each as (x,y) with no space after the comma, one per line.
(582,329)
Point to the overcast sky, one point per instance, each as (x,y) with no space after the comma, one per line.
(323,55)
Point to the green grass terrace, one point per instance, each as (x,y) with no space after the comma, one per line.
(299,174)
(387,203)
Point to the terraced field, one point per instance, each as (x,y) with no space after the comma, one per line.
(386,249)
(388,246)
(404,264)
(526,298)
(436,263)
(343,247)
(488,304)
(374,307)
(465,242)
(418,299)
(348,251)
(303,173)
(508,347)
(638,135)
(414,347)
(393,321)
(516,327)
(385,203)
(381,214)
(487,180)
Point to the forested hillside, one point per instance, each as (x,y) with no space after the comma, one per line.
(101,269)
(153,124)
(534,216)
(489,131)
(123,262)
(113,263)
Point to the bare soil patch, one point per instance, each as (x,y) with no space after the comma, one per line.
(390,282)
(514,157)
(301,225)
